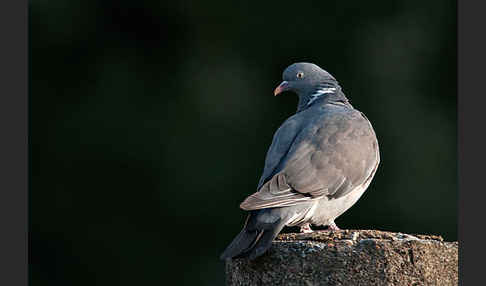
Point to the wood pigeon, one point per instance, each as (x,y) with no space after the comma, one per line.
(320,162)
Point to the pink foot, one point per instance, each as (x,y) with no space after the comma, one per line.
(305,228)
(333,226)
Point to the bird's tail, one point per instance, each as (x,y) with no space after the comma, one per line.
(260,228)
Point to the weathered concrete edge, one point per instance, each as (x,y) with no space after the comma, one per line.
(399,248)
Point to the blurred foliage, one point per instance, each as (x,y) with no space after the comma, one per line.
(150,121)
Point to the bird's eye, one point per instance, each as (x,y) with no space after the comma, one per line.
(300,75)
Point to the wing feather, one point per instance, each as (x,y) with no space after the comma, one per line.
(330,156)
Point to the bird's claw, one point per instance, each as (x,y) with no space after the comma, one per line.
(306,228)
(332,226)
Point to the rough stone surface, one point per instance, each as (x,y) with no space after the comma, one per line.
(350,257)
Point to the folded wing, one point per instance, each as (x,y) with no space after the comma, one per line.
(329,157)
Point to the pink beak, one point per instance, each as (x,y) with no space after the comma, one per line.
(281,88)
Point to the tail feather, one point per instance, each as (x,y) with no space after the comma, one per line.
(241,243)
(264,242)
(256,236)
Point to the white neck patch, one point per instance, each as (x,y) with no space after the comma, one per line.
(319,92)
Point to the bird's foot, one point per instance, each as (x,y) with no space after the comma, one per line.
(306,228)
(332,226)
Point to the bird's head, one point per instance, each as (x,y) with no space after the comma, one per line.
(308,81)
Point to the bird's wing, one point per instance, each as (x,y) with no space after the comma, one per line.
(335,152)
(282,141)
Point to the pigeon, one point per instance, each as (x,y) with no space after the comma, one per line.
(320,162)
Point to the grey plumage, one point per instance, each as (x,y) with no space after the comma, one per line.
(320,162)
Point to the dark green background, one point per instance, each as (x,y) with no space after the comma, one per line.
(150,122)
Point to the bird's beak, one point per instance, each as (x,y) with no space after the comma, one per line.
(281,88)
